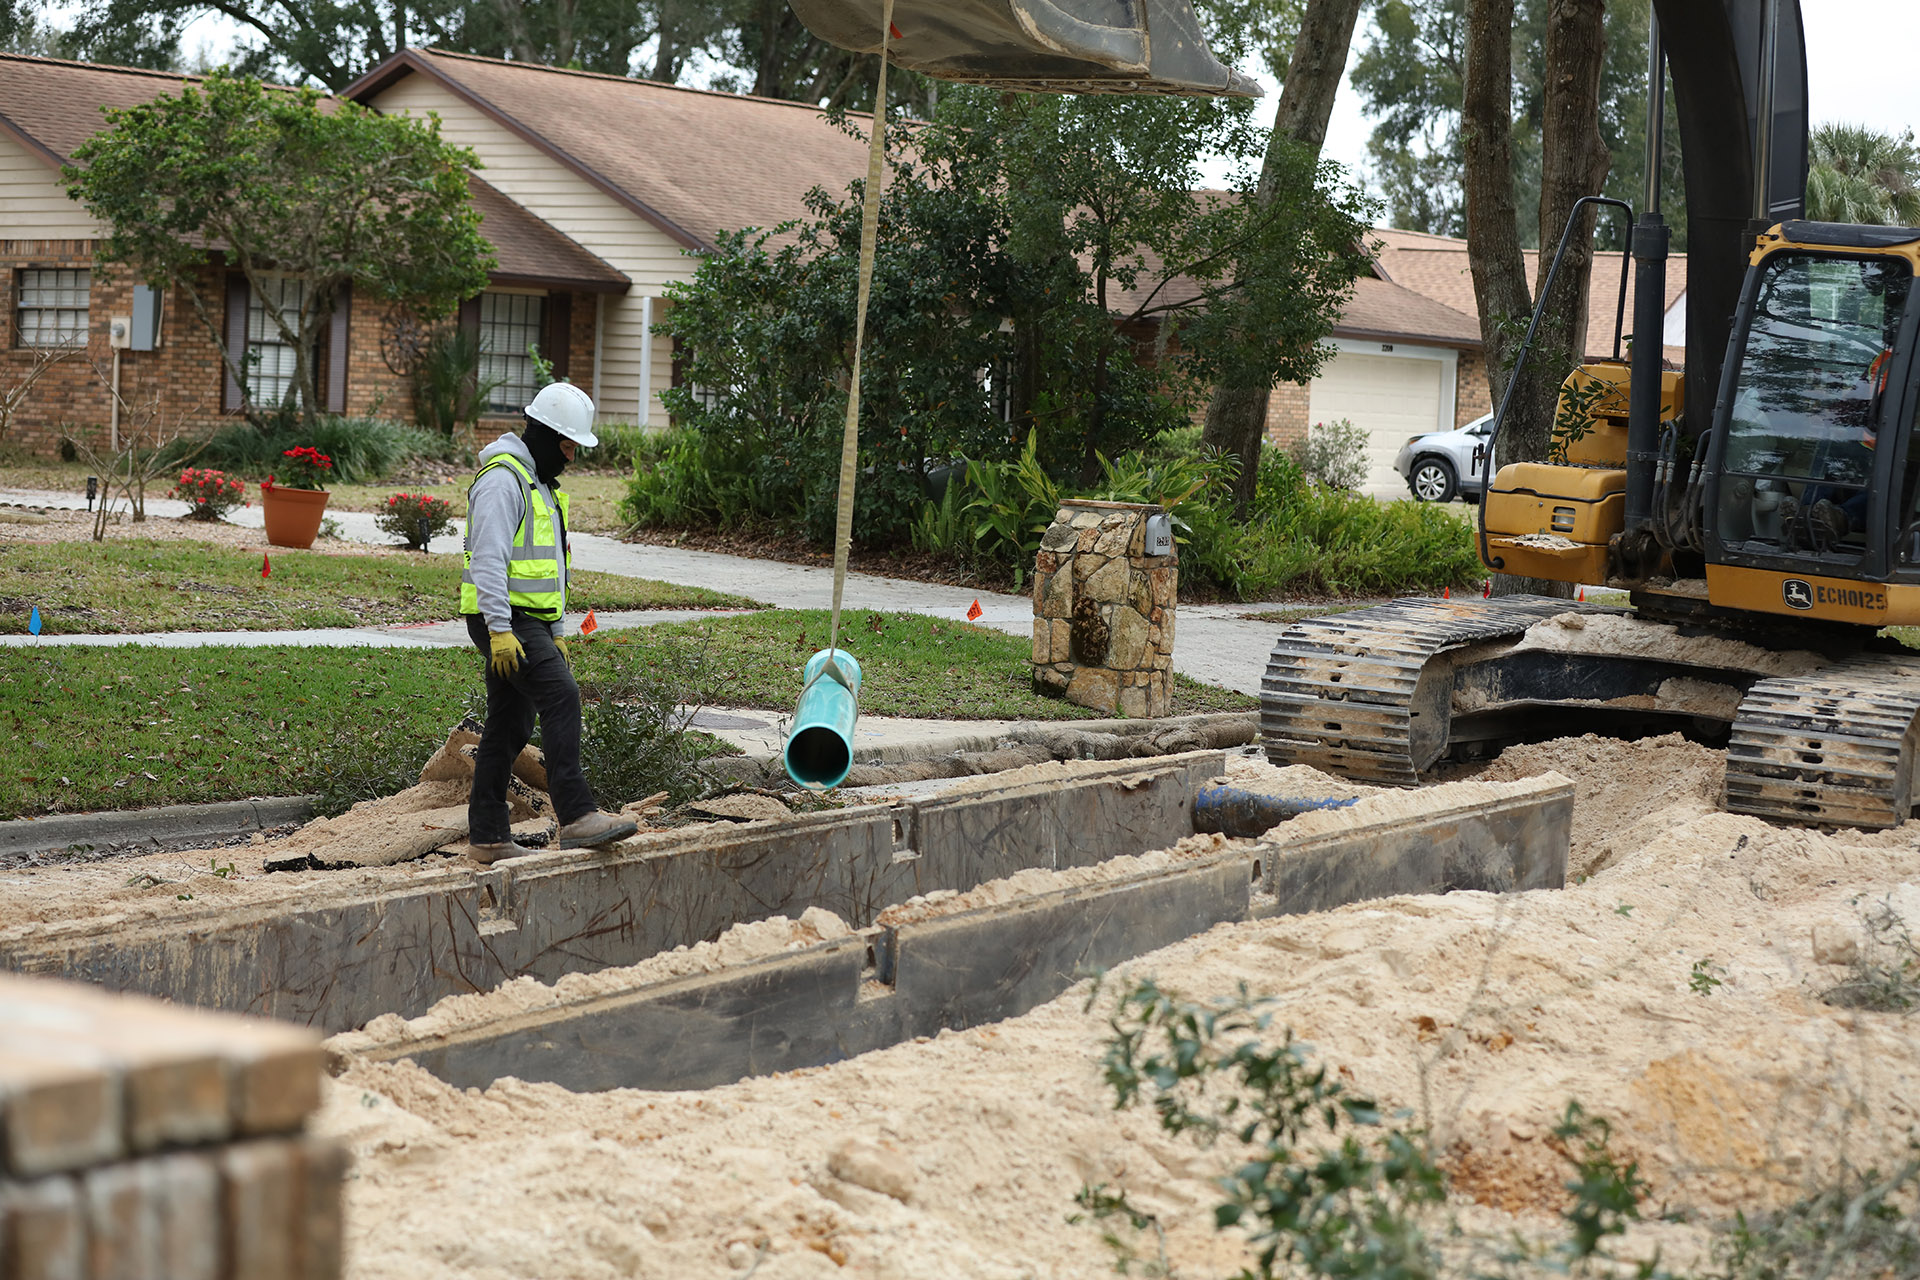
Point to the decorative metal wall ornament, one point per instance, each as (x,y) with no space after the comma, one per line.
(404,338)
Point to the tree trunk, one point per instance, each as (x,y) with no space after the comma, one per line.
(1237,415)
(1573,164)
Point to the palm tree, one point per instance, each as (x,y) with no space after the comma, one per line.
(1857,174)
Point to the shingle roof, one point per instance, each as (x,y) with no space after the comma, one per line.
(52,106)
(692,161)
(532,252)
(1436,266)
(1386,309)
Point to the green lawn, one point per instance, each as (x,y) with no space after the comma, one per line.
(129,726)
(140,584)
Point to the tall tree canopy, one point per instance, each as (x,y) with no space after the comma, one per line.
(1016,230)
(294,195)
(1857,174)
(1410,78)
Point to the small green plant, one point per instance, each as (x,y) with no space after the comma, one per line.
(1623,909)
(1328,1191)
(1333,454)
(1705,978)
(1884,975)
(209,494)
(635,707)
(214,867)
(418,518)
(1863,1224)
(542,367)
(1573,416)
(448,391)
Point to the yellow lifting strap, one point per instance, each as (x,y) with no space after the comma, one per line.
(850,438)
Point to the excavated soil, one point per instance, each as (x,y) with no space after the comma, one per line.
(1481,1016)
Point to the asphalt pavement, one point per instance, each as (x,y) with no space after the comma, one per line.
(1215,644)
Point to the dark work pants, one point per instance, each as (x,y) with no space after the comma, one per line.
(543,686)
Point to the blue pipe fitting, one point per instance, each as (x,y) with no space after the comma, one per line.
(819,749)
(1235,811)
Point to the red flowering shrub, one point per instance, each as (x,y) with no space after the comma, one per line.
(210,494)
(405,513)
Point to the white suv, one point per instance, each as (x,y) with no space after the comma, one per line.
(1443,465)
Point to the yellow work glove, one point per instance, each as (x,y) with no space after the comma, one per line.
(507,653)
(566,649)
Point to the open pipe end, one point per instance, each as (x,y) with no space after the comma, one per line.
(818,758)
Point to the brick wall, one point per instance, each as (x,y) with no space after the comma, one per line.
(1287,414)
(373,389)
(1472,396)
(181,380)
(184,379)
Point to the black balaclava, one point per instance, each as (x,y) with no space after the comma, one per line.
(543,442)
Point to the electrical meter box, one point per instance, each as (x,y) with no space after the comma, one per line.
(1159,535)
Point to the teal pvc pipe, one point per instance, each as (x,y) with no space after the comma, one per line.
(819,749)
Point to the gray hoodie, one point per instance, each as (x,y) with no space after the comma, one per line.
(494,511)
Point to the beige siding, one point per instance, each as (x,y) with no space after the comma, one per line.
(579,209)
(33,204)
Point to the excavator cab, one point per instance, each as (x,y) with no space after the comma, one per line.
(1039,46)
(1811,470)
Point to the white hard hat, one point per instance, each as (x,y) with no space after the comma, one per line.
(568,410)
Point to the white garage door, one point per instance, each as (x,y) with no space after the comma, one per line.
(1389,397)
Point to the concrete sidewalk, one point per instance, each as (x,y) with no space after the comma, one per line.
(1215,643)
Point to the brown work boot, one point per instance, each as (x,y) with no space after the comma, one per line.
(594,829)
(488,854)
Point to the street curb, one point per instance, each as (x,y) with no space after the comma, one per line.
(168,825)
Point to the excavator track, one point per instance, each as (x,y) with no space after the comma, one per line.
(1339,692)
(1835,746)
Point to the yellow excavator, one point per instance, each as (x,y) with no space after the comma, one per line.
(1760,505)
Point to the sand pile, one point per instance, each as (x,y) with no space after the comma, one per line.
(1482,1015)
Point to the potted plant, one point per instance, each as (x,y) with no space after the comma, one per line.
(292,500)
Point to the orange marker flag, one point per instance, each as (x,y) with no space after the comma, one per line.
(974,611)
(1486,591)
(266,565)
(589,624)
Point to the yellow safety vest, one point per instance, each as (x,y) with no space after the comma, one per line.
(535,580)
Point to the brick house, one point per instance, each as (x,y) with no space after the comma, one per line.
(644,174)
(545,289)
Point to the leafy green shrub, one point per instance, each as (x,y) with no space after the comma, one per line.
(1333,454)
(622,445)
(419,518)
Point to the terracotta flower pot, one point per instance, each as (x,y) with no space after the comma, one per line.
(292,515)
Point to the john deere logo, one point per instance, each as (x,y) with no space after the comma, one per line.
(1797,594)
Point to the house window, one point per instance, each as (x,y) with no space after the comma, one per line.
(270,357)
(509,324)
(52,307)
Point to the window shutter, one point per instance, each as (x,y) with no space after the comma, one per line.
(237,299)
(338,336)
(559,331)
(469,319)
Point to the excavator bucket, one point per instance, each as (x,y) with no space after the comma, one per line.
(1039,46)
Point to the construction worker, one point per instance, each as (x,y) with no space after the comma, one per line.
(514,595)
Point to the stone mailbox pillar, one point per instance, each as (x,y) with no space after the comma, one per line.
(1103,610)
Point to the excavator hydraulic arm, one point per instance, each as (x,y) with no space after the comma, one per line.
(1045,46)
